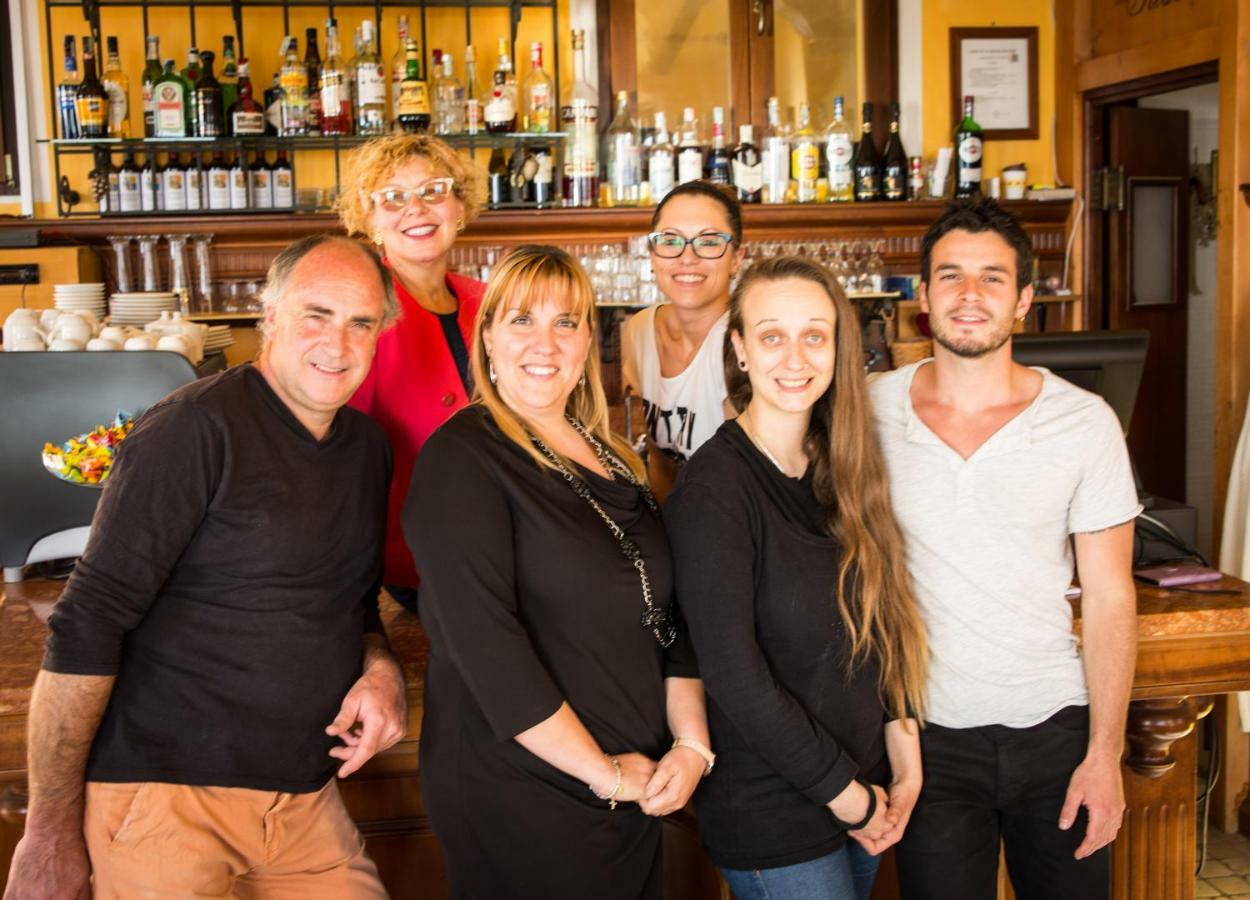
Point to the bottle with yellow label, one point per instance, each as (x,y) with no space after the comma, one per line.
(414,97)
(91,100)
(805,158)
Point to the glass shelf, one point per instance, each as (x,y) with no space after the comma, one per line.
(304,142)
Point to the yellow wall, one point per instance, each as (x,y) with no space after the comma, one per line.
(263,32)
(942,15)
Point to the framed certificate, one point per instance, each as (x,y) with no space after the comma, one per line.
(998,68)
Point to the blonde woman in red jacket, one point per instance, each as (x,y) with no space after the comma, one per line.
(412,195)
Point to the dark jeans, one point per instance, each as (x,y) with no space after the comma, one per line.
(994,782)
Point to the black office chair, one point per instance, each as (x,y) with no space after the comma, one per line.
(52,397)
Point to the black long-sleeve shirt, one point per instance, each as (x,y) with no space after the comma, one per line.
(232,571)
(756,576)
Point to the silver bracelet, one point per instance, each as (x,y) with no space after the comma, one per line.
(610,796)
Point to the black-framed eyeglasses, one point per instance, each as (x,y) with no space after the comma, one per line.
(670,245)
(431,193)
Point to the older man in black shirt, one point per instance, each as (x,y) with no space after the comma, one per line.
(218,647)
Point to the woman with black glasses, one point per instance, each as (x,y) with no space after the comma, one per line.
(412,195)
(672,352)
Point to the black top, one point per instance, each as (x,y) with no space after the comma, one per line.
(455,343)
(528,602)
(232,570)
(756,575)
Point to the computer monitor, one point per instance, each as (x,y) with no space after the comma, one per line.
(1107,363)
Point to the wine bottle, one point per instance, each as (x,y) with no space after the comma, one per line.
(748,167)
(718,158)
(283,176)
(174,184)
(262,184)
(130,199)
(867,163)
(193,178)
(151,74)
(240,182)
(894,166)
(969,148)
(229,76)
(218,182)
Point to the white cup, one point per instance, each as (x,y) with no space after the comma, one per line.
(72,327)
(101,343)
(21,330)
(29,344)
(1014,181)
(114,333)
(140,342)
(175,343)
(65,344)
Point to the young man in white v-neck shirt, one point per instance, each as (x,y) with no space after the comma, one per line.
(993,468)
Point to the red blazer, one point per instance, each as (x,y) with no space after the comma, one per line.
(412,388)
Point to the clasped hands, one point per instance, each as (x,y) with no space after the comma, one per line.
(658,788)
(889,819)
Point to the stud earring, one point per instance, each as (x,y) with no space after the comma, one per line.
(742,364)
(490,370)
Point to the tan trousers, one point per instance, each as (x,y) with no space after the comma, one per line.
(155,840)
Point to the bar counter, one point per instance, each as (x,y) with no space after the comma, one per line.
(1191,644)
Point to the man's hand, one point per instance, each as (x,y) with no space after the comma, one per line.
(676,776)
(1097,784)
(903,794)
(374,714)
(50,866)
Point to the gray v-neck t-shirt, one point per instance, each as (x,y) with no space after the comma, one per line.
(988,544)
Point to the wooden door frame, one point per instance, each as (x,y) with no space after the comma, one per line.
(751,57)
(1097,106)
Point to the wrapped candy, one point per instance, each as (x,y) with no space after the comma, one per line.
(88,458)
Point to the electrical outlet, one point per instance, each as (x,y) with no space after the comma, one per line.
(20,273)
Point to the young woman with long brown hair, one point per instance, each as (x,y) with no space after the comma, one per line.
(791,576)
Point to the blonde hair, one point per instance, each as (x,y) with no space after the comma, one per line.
(527,273)
(373,163)
(875,598)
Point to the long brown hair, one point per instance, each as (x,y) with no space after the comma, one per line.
(527,273)
(875,598)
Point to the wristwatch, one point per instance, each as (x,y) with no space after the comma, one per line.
(702,749)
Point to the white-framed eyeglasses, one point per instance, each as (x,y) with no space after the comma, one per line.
(431,193)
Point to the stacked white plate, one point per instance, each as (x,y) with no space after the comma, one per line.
(141,307)
(80,298)
(219,338)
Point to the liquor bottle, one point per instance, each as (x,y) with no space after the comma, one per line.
(505,66)
(370,88)
(413,114)
(840,152)
(867,163)
(147,184)
(521,169)
(472,93)
(171,99)
(689,148)
(969,147)
(449,100)
(151,74)
(261,176)
(399,67)
(748,166)
(660,161)
(174,184)
(229,76)
(218,177)
(500,113)
(293,80)
(191,71)
(336,103)
(117,85)
(208,118)
(240,182)
(312,81)
(621,156)
(542,186)
(805,157)
(776,155)
(91,101)
(67,92)
(193,178)
(273,97)
(718,159)
(114,203)
(497,178)
(246,117)
(283,176)
(130,200)
(539,91)
(894,169)
(580,119)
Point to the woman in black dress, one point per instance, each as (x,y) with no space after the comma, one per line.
(790,570)
(563,711)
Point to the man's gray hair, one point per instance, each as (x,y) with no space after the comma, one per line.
(285,262)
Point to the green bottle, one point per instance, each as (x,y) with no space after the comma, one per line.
(171,104)
(151,74)
(969,148)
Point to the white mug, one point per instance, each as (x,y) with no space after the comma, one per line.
(28,344)
(65,344)
(140,342)
(102,343)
